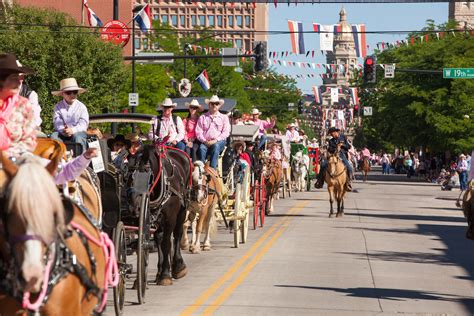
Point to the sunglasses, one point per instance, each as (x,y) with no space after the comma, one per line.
(71,92)
(194,107)
(168,107)
(215,103)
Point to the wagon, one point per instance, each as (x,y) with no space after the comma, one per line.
(131,232)
(285,153)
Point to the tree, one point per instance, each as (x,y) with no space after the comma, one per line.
(424,110)
(60,50)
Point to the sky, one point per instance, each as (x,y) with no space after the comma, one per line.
(376,17)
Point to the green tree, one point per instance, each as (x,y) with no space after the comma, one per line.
(61,50)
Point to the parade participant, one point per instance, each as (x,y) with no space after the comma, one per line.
(190,141)
(168,125)
(276,131)
(314,143)
(249,149)
(70,117)
(237,118)
(275,152)
(365,153)
(336,139)
(32,96)
(292,134)
(212,130)
(462,171)
(118,147)
(262,126)
(243,156)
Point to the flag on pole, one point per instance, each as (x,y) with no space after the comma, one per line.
(317,94)
(354,96)
(143,18)
(203,80)
(360,44)
(92,17)
(296,36)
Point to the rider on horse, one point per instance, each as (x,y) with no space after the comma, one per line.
(341,140)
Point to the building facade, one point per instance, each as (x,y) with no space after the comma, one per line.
(463,13)
(243,20)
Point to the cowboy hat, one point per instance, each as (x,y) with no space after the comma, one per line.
(214,99)
(333,129)
(118,138)
(462,156)
(194,102)
(10,65)
(68,84)
(314,140)
(256,112)
(291,125)
(168,103)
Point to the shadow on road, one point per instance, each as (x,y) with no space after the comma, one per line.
(431,218)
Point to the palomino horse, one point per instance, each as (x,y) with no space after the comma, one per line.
(299,169)
(365,167)
(272,172)
(336,177)
(468,209)
(207,190)
(58,262)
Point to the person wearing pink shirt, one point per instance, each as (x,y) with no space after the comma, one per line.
(190,141)
(292,134)
(168,125)
(212,130)
(262,126)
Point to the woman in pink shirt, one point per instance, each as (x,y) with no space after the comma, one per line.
(190,140)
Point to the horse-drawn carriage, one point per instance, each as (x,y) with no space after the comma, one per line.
(302,167)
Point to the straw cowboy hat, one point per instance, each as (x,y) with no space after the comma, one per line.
(291,125)
(256,112)
(168,103)
(462,156)
(194,102)
(214,99)
(68,84)
(10,65)
(133,138)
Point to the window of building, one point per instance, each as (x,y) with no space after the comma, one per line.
(164,19)
(193,20)
(247,20)
(230,21)
(238,43)
(145,43)
(210,20)
(238,20)
(156,46)
(137,43)
(156,17)
(202,20)
(219,20)
(182,20)
(174,20)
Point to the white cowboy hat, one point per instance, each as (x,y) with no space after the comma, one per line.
(462,156)
(168,102)
(314,140)
(291,125)
(256,111)
(194,102)
(68,84)
(214,99)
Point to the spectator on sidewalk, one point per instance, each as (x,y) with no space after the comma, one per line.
(462,171)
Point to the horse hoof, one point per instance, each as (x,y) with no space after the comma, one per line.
(185,247)
(206,248)
(181,274)
(166,281)
(331,215)
(194,250)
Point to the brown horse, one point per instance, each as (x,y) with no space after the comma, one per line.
(58,256)
(336,177)
(207,190)
(468,209)
(273,172)
(365,167)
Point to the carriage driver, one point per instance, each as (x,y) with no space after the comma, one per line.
(336,139)
(212,130)
(168,125)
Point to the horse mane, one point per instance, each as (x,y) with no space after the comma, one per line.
(34,195)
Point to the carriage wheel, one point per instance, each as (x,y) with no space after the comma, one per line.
(237,205)
(142,248)
(256,206)
(263,199)
(283,181)
(121,255)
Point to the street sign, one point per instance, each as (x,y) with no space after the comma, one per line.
(133,99)
(116,32)
(389,70)
(158,61)
(367,111)
(291,106)
(230,61)
(458,73)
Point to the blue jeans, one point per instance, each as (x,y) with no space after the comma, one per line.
(463,180)
(324,165)
(262,141)
(181,145)
(79,137)
(214,151)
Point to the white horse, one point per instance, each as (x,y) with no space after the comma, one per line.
(299,170)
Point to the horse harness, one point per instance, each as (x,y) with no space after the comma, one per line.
(337,175)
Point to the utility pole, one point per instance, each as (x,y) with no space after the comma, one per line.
(115,16)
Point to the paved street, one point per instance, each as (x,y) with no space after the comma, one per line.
(400,248)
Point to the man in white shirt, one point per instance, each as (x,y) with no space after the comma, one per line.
(168,126)
(292,134)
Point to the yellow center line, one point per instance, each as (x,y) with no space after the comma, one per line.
(248,268)
(233,269)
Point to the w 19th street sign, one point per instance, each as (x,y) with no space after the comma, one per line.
(458,73)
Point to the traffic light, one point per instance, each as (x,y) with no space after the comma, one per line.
(260,52)
(370,69)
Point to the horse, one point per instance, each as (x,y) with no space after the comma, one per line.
(272,173)
(169,197)
(55,253)
(207,191)
(335,178)
(365,167)
(299,169)
(468,209)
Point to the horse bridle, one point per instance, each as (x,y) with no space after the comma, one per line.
(336,155)
(203,187)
